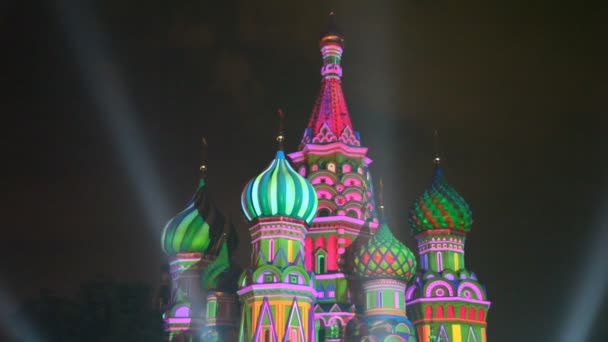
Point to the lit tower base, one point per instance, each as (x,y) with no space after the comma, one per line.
(219,281)
(445,301)
(184,318)
(191,240)
(277,292)
(384,264)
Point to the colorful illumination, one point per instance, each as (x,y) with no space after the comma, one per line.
(323,266)
(445,301)
(383,256)
(279,191)
(196,227)
(440,207)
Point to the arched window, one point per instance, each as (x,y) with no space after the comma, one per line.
(323,212)
(439,262)
(336,329)
(352,213)
(321,263)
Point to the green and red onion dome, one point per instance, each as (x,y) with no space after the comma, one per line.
(195,228)
(279,191)
(440,207)
(383,256)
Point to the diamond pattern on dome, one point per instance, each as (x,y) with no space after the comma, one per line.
(383,256)
(440,207)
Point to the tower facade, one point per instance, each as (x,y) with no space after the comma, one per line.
(331,157)
(198,241)
(384,265)
(277,292)
(445,301)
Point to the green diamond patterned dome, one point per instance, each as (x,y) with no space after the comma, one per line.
(279,191)
(383,256)
(196,227)
(440,207)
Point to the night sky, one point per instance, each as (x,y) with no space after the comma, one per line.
(517,90)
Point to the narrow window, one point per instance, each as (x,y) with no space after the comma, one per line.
(321,264)
(439,262)
(271,250)
(379,299)
(266,335)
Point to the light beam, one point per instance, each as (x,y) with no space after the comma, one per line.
(593,279)
(105,85)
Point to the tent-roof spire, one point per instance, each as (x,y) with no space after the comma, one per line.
(330,120)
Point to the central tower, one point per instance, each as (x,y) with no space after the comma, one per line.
(331,157)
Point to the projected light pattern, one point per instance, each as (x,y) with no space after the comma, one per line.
(196,227)
(445,300)
(279,191)
(323,267)
(440,207)
(383,256)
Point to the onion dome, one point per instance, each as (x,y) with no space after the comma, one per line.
(195,228)
(440,207)
(279,191)
(383,256)
(331,34)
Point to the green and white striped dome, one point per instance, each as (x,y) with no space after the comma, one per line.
(279,191)
(195,228)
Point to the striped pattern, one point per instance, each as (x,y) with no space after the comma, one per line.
(279,191)
(440,207)
(195,228)
(383,256)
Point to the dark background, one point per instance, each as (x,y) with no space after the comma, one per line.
(517,90)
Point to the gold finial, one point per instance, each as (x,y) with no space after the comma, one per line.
(281,136)
(203,167)
(437,159)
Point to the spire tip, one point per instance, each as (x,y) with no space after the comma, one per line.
(381,198)
(281,135)
(437,159)
(203,167)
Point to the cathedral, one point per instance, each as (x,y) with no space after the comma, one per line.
(325,265)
